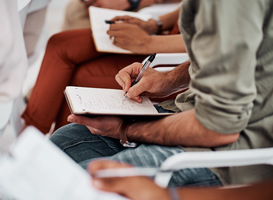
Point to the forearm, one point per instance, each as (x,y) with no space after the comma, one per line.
(144,3)
(179,78)
(165,44)
(168,20)
(179,129)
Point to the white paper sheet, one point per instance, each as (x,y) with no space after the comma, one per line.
(99,27)
(40,170)
(107,101)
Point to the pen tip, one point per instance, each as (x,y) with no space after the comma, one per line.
(124,97)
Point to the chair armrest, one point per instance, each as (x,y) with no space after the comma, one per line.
(166,61)
(212,160)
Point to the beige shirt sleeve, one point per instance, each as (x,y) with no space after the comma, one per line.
(222,39)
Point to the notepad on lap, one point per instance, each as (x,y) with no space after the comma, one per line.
(98,101)
(99,28)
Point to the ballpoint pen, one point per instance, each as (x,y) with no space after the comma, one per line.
(109,22)
(146,64)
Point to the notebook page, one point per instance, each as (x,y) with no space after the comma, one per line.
(99,27)
(40,170)
(107,101)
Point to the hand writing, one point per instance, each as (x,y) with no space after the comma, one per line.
(151,84)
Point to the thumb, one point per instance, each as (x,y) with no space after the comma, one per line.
(71,118)
(79,119)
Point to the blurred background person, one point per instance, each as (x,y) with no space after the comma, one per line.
(72,59)
(77,16)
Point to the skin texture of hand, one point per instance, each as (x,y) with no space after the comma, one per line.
(149,26)
(130,37)
(129,186)
(151,84)
(105,126)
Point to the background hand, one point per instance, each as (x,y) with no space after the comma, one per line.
(149,26)
(130,187)
(130,37)
(104,125)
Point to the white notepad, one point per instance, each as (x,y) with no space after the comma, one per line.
(39,170)
(99,28)
(99,101)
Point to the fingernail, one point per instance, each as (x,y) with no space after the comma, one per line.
(71,119)
(97,183)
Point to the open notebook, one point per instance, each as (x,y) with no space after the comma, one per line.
(99,101)
(99,28)
(37,169)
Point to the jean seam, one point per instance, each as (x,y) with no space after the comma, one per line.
(69,145)
(77,143)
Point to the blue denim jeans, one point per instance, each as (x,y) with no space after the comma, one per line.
(83,146)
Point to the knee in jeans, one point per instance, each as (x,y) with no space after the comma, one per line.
(69,134)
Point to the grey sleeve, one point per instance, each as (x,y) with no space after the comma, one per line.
(224,46)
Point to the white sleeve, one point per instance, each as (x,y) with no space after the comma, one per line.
(13,58)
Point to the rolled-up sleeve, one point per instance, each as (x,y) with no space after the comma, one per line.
(224,45)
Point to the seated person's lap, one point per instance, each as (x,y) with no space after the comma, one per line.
(83,146)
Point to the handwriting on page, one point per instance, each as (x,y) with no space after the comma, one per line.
(110,101)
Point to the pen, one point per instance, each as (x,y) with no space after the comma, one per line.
(125,172)
(146,64)
(109,22)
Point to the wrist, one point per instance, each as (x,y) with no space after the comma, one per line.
(123,135)
(159,25)
(158,1)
